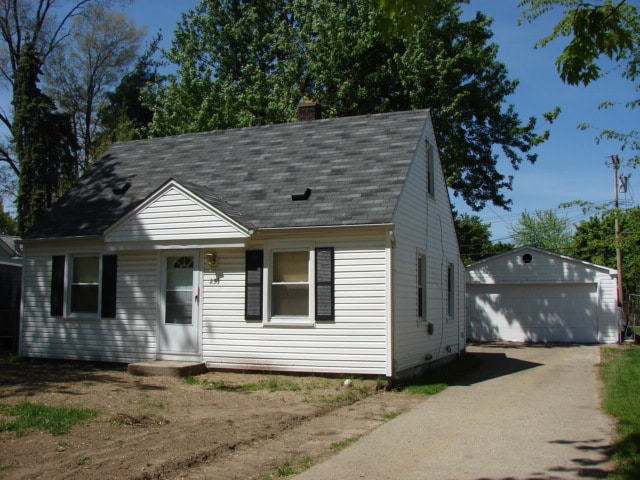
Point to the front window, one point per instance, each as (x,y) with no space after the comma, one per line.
(85,284)
(290,284)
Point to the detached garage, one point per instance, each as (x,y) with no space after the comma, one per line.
(532,295)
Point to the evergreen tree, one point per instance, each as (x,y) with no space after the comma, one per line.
(123,116)
(44,143)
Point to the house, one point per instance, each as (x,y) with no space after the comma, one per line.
(533,295)
(321,246)
(10,281)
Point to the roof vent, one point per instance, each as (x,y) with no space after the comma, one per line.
(301,196)
(120,188)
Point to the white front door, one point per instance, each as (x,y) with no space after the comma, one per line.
(180,306)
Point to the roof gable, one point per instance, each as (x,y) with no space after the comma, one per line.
(8,246)
(531,264)
(175,212)
(354,168)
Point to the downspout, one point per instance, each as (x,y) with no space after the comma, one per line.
(390,243)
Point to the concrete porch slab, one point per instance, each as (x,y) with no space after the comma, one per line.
(167,368)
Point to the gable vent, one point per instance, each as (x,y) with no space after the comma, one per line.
(301,196)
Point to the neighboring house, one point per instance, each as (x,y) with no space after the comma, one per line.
(319,246)
(10,281)
(533,295)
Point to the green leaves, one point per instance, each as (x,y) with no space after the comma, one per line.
(543,229)
(595,241)
(474,239)
(250,63)
(597,30)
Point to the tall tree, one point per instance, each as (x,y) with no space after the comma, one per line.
(543,229)
(248,63)
(239,63)
(39,24)
(7,224)
(123,116)
(596,29)
(474,238)
(43,140)
(595,241)
(100,48)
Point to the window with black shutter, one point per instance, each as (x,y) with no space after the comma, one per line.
(253,284)
(57,286)
(90,288)
(325,292)
(109,276)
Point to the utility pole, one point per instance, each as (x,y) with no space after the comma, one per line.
(615,162)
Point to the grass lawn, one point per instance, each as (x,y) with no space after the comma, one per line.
(55,420)
(620,370)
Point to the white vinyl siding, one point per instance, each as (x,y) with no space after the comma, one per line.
(128,337)
(374,331)
(355,342)
(424,222)
(551,299)
(173,215)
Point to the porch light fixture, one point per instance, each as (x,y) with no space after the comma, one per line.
(211,259)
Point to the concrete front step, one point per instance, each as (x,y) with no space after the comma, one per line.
(167,368)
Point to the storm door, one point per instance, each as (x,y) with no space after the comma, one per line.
(179,319)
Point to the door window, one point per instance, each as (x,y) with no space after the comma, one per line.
(179,291)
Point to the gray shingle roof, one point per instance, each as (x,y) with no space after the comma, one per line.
(354,166)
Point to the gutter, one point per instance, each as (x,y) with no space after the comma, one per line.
(279,231)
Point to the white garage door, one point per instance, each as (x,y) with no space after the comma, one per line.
(533,313)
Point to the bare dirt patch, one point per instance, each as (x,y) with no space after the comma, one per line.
(166,428)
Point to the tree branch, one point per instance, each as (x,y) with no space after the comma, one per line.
(6,157)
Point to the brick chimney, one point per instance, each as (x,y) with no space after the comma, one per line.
(309,110)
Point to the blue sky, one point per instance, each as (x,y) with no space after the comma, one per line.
(570,165)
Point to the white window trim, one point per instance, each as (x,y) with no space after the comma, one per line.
(288,320)
(68,286)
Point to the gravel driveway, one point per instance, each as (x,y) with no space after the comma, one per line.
(528,413)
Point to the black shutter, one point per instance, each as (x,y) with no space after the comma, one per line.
(253,285)
(57,286)
(109,280)
(325,304)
